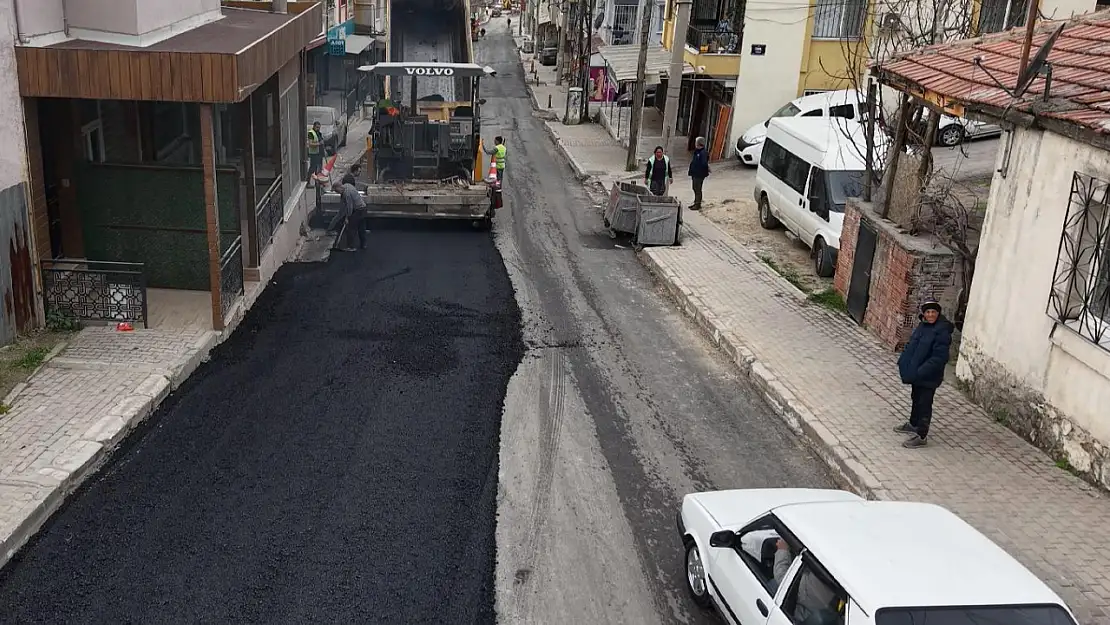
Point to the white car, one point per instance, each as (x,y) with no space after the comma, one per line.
(845,103)
(828,557)
(952,131)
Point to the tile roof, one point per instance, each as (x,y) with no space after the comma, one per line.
(1080,60)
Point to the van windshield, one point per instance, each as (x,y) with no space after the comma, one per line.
(846,184)
(789,110)
(976,615)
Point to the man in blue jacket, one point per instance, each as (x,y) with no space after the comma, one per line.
(699,170)
(921,365)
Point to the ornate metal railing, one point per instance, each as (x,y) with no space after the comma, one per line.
(231,275)
(713,39)
(89,290)
(1080,297)
(268,215)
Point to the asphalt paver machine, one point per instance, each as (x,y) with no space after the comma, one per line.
(424,158)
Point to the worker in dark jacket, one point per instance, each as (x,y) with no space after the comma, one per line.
(658,175)
(699,170)
(921,365)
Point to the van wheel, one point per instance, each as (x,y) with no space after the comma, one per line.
(766,219)
(824,263)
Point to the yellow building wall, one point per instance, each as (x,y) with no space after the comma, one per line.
(827,65)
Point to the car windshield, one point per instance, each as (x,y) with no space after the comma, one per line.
(976,615)
(787,111)
(846,184)
(322,115)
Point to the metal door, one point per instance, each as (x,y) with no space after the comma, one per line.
(859,290)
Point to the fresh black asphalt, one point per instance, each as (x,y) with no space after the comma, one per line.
(335,461)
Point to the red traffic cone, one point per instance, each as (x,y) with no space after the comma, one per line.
(492,171)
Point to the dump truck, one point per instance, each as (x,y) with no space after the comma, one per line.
(425,154)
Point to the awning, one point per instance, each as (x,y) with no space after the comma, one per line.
(622,62)
(357,43)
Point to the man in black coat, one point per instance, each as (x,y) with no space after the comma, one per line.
(699,170)
(921,365)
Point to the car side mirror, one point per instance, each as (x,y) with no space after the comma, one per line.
(723,539)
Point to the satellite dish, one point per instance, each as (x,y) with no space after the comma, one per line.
(1034,69)
(599,20)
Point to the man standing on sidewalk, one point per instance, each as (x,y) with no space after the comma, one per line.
(699,170)
(921,365)
(315,151)
(658,175)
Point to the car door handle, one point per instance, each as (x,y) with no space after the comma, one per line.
(762,606)
(800,201)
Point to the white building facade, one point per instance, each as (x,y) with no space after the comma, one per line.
(1036,341)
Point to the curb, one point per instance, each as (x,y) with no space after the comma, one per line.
(86,455)
(579,172)
(846,469)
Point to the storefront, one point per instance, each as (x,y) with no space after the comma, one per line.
(334,79)
(711,113)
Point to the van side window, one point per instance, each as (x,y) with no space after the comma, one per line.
(847,111)
(773,158)
(796,174)
(813,113)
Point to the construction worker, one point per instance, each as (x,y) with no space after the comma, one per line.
(315,150)
(498,153)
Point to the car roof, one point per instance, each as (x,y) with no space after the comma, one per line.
(829,98)
(831,143)
(890,554)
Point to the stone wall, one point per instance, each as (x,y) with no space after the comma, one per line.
(906,271)
(1012,403)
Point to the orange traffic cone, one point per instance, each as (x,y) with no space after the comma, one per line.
(492,171)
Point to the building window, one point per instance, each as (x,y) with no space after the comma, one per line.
(839,19)
(998,15)
(1080,295)
(93,134)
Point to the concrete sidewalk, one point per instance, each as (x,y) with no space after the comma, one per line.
(835,385)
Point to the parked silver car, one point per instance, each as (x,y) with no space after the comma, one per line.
(333,125)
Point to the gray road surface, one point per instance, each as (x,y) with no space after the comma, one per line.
(618,409)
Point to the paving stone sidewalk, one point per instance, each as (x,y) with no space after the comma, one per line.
(833,383)
(76,408)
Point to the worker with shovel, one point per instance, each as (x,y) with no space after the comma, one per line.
(351,217)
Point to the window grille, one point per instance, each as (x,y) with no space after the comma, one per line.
(839,19)
(1080,295)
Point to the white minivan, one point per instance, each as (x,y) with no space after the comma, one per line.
(845,103)
(808,169)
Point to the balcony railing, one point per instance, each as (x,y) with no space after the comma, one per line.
(231,275)
(88,290)
(713,40)
(268,215)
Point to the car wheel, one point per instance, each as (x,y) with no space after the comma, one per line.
(950,136)
(766,219)
(823,262)
(695,575)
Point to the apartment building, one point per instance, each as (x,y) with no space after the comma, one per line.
(164,150)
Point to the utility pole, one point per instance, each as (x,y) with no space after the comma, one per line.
(588,37)
(561,55)
(674,75)
(1030,26)
(631,162)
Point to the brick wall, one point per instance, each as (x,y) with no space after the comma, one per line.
(906,271)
